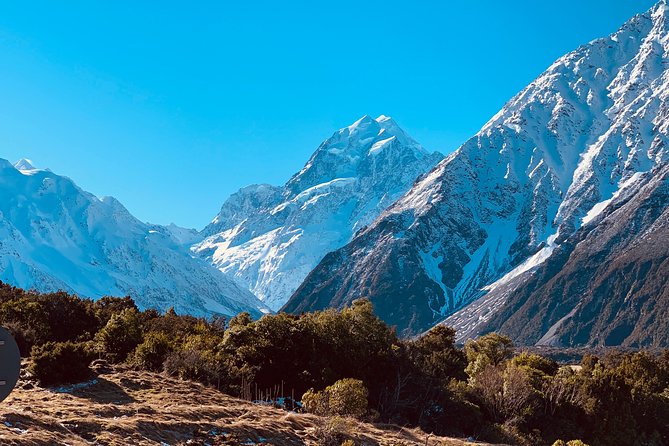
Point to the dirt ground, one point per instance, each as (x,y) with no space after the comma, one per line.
(126,407)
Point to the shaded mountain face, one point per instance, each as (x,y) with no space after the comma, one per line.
(55,236)
(607,285)
(547,163)
(271,237)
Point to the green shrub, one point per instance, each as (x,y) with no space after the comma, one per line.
(437,356)
(56,363)
(152,352)
(108,306)
(193,365)
(533,361)
(346,397)
(120,336)
(315,402)
(538,369)
(489,350)
(54,317)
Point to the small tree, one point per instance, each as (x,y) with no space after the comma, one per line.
(538,368)
(491,349)
(315,402)
(436,355)
(152,352)
(506,393)
(120,336)
(347,397)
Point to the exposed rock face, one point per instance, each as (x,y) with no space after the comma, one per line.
(271,237)
(55,236)
(608,284)
(547,163)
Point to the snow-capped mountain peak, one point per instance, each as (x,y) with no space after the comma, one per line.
(55,236)
(271,237)
(349,150)
(24,164)
(552,157)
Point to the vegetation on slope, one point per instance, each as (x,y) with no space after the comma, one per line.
(350,363)
(124,407)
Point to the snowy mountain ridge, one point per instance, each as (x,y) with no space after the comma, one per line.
(55,236)
(271,237)
(552,157)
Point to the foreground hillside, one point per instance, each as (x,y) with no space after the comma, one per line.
(337,364)
(122,407)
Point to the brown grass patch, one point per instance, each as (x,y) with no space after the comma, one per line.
(126,407)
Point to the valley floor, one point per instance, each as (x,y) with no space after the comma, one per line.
(125,407)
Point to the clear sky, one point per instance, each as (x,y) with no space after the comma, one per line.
(172,106)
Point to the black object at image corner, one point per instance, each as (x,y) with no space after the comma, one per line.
(10,363)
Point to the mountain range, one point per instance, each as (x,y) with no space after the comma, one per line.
(55,236)
(549,225)
(540,174)
(271,237)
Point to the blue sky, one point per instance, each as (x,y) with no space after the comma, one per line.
(170,108)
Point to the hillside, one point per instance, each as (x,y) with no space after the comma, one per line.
(121,407)
(606,286)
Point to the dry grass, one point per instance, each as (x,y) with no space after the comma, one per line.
(125,407)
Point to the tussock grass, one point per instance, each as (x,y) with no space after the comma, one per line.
(127,407)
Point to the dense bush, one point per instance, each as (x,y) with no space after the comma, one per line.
(489,350)
(39,318)
(121,335)
(346,397)
(312,351)
(152,352)
(61,362)
(436,355)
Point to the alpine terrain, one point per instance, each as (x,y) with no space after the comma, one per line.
(271,237)
(574,170)
(55,236)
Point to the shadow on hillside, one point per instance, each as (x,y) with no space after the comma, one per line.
(170,432)
(23,423)
(103,391)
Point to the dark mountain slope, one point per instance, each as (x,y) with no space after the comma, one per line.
(607,285)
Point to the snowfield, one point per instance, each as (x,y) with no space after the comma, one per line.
(55,236)
(270,237)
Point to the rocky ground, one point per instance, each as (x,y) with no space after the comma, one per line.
(125,407)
